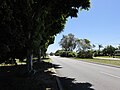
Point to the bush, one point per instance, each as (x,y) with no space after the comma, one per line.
(51,54)
(85,54)
(68,54)
(63,54)
(71,54)
(58,52)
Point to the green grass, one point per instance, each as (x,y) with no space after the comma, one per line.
(101,61)
(109,56)
(117,56)
(105,56)
(47,60)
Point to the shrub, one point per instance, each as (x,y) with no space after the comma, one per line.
(85,54)
(63,54)
(51,54)
(68,54)
(71,54)
(58,52)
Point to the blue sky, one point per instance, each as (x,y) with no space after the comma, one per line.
(100,25)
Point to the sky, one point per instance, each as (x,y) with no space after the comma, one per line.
(100,25)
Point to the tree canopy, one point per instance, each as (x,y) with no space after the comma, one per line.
(27,25)
(68,42)
(109,50)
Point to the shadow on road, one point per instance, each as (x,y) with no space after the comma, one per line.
(70,84)
(15,78)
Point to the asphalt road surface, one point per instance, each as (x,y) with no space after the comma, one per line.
(79,75)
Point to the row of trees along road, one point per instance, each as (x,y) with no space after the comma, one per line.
(28,27)
(83,48)
(109,50)
(69,43)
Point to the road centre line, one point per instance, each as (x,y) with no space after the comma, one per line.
(110,75)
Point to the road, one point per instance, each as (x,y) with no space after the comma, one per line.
(80,73)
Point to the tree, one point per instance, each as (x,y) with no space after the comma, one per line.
(83,48)
(58,52)
(68,42)
(49,41)
(27,22)
(109,50)
(100,46)
(93,46)
(83,45)
(11,33)
(51,54)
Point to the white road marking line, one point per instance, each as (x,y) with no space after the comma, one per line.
(110,75)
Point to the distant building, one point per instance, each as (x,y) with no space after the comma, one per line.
(117,53)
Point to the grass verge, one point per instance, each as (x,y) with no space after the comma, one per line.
(108,56)
(102,61)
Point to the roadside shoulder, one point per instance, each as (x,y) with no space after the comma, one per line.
(56,76)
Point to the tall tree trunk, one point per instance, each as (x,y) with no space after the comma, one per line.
(29,54)
(43,56)
(39,55)
(29,60)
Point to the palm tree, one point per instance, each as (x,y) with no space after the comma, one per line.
(93,46)
(100,46)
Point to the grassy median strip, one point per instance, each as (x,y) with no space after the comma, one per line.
(102,61)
